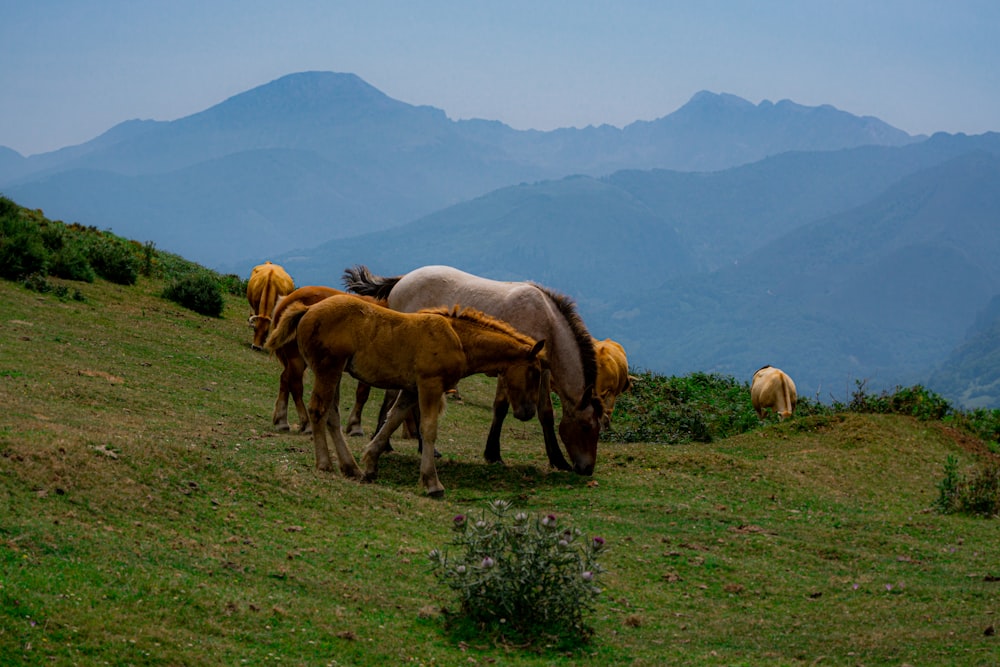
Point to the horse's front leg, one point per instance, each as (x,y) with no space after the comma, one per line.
(430,409)
(500,407)
(380,441)
(546,417)
(361,395)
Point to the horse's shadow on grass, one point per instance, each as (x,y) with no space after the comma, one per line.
(402,470)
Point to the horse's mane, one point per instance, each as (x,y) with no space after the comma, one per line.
(588,356)
(360,280)
(478,317)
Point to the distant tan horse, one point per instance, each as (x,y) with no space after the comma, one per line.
(267,283)
(772,389)
(534,310)
(423,354)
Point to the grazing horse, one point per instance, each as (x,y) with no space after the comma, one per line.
(267,283)
(423,354)
(534,310)
(773,390)
(294,366)
(612,376)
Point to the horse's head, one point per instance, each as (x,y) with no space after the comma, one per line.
(521,383)
(579,429)
(261,324)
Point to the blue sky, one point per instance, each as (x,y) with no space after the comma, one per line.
(71,69)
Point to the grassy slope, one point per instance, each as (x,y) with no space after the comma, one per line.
(148,515)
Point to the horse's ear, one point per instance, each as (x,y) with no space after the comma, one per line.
(535,351)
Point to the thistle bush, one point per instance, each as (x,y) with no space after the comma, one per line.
(523,576)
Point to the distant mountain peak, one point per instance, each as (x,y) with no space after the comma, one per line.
(706,98)
(306,93)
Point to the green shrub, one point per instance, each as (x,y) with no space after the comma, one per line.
(8,208)
(915,401)
(976,493)
(22,249)
(981,422)
(524,578)
(113,260)
(37,282)
(198,291)
(148,259)
(233,284)
(70,262)
(698,407)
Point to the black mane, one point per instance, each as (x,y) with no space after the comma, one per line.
(588,356)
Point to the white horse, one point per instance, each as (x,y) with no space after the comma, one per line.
(535,311)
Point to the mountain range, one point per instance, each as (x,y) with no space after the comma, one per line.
(316,156)
(718,238)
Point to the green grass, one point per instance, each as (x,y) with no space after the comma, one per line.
(149,515)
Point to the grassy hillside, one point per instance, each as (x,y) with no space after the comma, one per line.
(149,515)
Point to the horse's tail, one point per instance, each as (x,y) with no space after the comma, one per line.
(283,331)
(359,279)
(789,400)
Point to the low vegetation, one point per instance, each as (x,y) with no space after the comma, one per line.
(150,514)
(519,577)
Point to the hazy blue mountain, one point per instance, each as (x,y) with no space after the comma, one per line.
(376,162)
(866,263)
(685,222)
(11,163)
(970,376)
(884,291)
(565,234)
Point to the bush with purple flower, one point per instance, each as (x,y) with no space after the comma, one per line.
(528,576)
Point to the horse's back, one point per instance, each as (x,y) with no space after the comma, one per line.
(521,304)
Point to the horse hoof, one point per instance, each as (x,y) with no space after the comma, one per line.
(436,495)
(356,433)
(282,428)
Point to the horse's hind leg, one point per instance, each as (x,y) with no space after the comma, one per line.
(380,441)
(280,415)
(361,395)
(296,371)
(430,410)
(324,409)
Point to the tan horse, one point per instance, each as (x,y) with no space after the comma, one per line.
(534,310)
(612,376)
(423,354)
(267,283)
(293,367)
(772,389)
